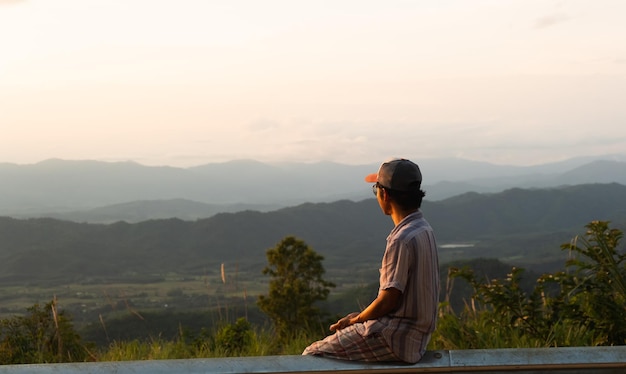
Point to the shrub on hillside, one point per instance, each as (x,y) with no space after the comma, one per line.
(44,335)
(583,305)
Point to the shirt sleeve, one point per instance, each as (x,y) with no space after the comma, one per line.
(395,268)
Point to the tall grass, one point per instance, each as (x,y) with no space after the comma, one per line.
(262,344)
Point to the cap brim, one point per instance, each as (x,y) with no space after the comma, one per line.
(372,178)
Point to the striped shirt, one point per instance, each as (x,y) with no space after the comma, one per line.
(410,264)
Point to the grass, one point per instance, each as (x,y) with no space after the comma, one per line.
(262,344)
(108,311)
(86,298)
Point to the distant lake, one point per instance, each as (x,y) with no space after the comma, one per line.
(455,245)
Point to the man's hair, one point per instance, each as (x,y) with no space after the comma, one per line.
(407,199)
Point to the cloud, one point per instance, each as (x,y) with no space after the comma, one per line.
(551,20)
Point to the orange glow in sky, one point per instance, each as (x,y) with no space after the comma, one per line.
(188,82)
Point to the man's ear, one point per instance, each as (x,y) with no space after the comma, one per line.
(385,196)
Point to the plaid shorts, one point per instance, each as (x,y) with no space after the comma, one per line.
(350,344)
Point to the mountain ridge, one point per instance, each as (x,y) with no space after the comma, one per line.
(60,188)
(348,234)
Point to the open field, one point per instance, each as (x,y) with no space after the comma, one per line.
(93,301)
(87,299)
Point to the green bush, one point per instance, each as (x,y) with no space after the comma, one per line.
(235,339)
(44,335)
(583,305)
(593,286)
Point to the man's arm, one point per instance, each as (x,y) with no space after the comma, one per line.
(387,301)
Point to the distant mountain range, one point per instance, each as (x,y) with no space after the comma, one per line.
(518,226)
(92,191)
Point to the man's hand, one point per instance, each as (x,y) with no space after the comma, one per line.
(387,301)
(346,321)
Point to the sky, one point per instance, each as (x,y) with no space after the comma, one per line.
(189,82)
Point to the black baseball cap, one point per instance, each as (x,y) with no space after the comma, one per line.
(398,174)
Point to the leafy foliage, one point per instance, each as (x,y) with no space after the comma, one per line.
(593,289)
(43,336)
(583,305)
(297,284)
(234,339)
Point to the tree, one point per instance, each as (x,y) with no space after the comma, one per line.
(585,304)
(593,288)
(42,336)
(296,285)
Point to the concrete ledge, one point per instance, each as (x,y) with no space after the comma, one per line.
(579,360)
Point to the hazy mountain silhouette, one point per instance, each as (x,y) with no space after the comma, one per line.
(142,210)
(92,191)
(523,226)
